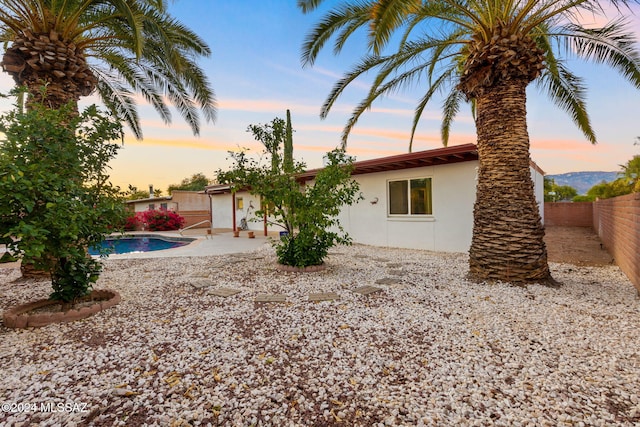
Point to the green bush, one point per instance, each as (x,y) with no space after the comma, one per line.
(55,197)
(308,213)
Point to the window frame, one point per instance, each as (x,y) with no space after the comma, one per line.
(407,182)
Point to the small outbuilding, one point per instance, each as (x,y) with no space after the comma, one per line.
(193,206)
(420,200)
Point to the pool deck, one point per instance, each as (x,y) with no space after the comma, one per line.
(219,243)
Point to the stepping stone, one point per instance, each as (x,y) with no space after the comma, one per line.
(397,273)
(381,259)
(361,256)
(271,298)
(236,260)
(243,255)
(367,290)
(201,284)
(389,281)
(200,275)
(324,296)
(394,265)
(224,292)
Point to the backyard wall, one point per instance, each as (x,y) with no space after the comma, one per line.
(568,214)
(194,217)
(193,206)
(617,222)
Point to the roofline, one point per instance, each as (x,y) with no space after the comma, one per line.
(433,157)
(438,156)
(150,199)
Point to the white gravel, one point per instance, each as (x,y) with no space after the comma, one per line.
(431,350)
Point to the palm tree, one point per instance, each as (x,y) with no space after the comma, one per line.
(485,53)
(63,50)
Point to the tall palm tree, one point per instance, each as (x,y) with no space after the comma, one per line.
(486,53)
(62,50)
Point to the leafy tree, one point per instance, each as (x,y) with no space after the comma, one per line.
(197,182)
(485,53)
(627,183)
(558,193)
(134,194)
(607,190)
(272,135)
(631,173)
(308,212)
(135,46)
(55,203)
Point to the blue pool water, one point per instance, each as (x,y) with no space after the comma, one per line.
(126,245)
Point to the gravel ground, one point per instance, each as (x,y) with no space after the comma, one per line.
(431,349)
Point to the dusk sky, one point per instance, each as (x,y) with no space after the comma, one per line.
(256,72)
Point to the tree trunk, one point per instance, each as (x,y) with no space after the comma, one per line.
(507,242)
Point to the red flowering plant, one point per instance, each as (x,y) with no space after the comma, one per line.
(131,223)
(155,220)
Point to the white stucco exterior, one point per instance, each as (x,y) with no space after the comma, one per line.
(222,211)
(448,228)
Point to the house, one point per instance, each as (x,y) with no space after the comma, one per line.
(193,206)
(421,200)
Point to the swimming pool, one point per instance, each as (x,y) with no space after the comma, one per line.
(137,244)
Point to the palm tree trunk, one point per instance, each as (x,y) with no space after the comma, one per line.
(507,242)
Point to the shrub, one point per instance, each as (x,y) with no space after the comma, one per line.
(55,195)
(308,213)
(131,223)
(159,220)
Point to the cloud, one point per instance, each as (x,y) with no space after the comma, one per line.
(188,143)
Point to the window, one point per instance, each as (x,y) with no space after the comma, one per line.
(410,197)
(239,203)
(152,206)
(163,206)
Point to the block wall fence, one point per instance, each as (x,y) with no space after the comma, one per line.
(616,221)
(567,214)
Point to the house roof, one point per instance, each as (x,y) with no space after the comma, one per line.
(217,189)
(438,156)
(149,199)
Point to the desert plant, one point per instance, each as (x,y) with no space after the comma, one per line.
(55,203)
(307,212)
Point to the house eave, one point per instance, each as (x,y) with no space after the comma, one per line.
(150,199)
(438,156)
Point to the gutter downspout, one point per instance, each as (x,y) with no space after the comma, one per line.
(233,207)
(210,214)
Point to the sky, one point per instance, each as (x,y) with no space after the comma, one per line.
(256,73)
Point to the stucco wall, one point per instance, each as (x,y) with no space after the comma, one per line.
(617,222)
(223,213)
(576,214)
(185,201)
(144,206)
(447,230)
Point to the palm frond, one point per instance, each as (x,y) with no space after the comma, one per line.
(450,109)
(568,92)
(344,16)
(612,44)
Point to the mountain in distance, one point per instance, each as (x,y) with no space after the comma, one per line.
(583,181)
